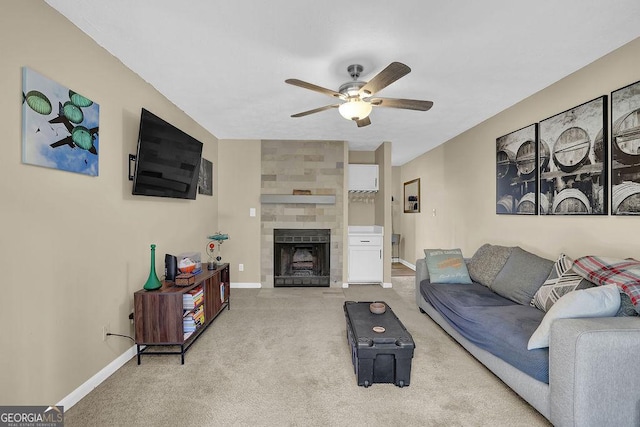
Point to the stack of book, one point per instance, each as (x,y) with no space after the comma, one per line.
(192,320)
(193,316)
(192,299)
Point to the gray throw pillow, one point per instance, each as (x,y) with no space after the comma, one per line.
(562,280)
(446,266)
(521,276)
(487,262)
(626,306)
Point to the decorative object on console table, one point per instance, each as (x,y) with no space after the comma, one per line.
(625,150)
(190,262)
(412,196)
(575,181)
(210,249)
(220,238)
(301,192)
(153,282)
(516,174)
(185,279)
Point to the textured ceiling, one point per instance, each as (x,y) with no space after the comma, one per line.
(224,62)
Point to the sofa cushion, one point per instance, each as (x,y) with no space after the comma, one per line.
(521,276)
(491,322)
(446,266)
(627,309)
(625,273)
(561,281)
(601,301)
(487,262)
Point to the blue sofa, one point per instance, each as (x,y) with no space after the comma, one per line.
(586,376)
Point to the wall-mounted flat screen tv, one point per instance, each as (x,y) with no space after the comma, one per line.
(167,160)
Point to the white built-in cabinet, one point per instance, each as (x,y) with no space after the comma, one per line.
(365,254)
(363,177)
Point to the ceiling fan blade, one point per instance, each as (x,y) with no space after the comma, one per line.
(315,110)
(316,88)
(363,122)
(408,104)
(384,78)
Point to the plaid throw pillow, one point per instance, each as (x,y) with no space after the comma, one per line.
(562,280)
(625,273)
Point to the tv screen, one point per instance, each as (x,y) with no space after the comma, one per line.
(167,160)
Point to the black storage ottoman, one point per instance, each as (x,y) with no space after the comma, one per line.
(378,357)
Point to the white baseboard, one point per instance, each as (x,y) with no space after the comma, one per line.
(408,264)
(386,285)
(345,285)
(246,285)
(93,382)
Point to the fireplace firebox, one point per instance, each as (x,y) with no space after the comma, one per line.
(301,257)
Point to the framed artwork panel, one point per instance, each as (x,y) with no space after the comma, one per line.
(59,126)
(412,196)
(205,178)
(517,172)
(625,150)
(574,179)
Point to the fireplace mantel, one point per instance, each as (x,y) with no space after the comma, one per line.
(291,198)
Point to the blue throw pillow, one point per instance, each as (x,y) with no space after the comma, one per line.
(446,266)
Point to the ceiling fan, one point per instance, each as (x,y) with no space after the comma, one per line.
(357,96)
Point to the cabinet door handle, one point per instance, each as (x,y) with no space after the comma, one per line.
(365,241)
(380,253)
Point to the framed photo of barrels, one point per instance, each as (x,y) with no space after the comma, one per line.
(516,172)
(573,179)
(625,150)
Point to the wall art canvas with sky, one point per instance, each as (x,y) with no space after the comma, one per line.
(59,126)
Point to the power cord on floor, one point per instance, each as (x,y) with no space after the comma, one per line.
(118,335)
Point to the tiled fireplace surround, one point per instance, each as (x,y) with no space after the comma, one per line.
(302,165)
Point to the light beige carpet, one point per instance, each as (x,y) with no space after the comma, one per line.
(280,357)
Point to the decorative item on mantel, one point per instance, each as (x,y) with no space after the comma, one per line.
(220,238)
(301,192)
(153,282)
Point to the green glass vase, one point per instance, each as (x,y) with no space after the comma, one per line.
(153,282)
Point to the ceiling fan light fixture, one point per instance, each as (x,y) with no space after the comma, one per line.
(355,109)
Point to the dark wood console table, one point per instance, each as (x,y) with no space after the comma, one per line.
(159,316)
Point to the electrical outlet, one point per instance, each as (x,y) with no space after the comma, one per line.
(240,267)
(105,330)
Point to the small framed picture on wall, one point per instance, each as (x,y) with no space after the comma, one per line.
(412,196)
(205,178)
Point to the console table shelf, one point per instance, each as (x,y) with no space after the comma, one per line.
(159,315)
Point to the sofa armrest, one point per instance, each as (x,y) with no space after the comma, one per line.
(421,274)
(593,377)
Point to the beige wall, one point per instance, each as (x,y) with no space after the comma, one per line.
(362,209)
(383,203)
(396,193)
(458,180)
(74,248)
(239,191)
